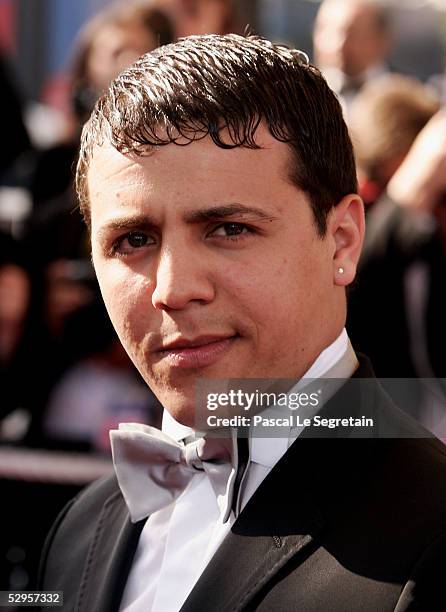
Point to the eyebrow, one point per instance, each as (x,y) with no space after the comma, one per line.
(126,224)
(227,210)
(144,221)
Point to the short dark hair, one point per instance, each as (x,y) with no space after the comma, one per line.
(202,85)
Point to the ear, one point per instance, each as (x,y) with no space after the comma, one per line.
(346,228)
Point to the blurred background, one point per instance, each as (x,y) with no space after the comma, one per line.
(65,379)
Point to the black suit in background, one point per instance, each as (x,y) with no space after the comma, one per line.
(396,310)
(383,319)
(15,140)
(338,525)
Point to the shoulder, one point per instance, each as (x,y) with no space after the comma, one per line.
(424,589)
(90,502)
(394,477)
(75,526)
(393,230)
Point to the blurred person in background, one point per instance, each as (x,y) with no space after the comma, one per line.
(83,381)
(385,118)
(15,140)
(202,16)
(109,43)
(15,296)
(112,40)
(100,390)
(64,288)
(352,40)
(55,234)
(396,309)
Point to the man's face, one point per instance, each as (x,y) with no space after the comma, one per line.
(347,37)
(216,252)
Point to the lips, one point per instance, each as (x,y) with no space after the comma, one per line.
(197,352)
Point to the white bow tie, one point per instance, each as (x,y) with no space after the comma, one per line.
(153,469)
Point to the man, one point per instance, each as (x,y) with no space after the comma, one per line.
(404,257)
(352,41)
(218,180)
(385,118)
(202,16)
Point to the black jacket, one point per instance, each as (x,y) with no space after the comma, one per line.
(338,525)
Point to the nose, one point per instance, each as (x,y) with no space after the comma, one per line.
(182,278)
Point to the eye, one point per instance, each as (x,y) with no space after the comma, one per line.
(131,242)
(137,240)
(231,230)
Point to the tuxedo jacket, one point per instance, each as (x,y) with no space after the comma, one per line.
(338,525)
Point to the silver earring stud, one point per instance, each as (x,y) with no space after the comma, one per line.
(341,270)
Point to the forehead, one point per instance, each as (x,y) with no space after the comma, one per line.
(200,166)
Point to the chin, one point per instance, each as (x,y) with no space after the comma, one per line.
(180,408)
(184,417)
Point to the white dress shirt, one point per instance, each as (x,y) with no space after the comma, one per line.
(177,542)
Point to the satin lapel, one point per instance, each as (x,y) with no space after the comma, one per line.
(109,558)
(272,529)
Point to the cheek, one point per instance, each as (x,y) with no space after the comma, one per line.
(285,291)
(265,291)
(127,299)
